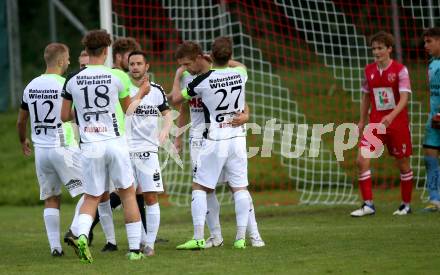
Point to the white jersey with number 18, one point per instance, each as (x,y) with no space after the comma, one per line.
(223,95)
(95,92)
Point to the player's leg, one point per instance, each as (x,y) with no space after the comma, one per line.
(71,236)
(141,205)
(198,213)
(206,171)
(399,145)
(431,147)
(52,223)
(213,221)
(50,191)
(236,173)
(365,186)
(107,224)
(74,225)
(153,221)
(133,224)
(121,174)
(406,185)
(242,202)
(94,160)
(252,228)
(433,178)
(147,173)
(67,163)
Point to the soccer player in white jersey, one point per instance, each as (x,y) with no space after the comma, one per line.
(121,48)
(56,152)
(193,62)
(145,135)
(95,91)
(222,90)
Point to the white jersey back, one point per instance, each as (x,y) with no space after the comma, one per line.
(223,95)
(95,91)
(195,108)
(42,98)
(143,127)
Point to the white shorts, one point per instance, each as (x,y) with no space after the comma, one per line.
(195,145)
(103,161)
(146,170)
(228,155)
(57,166)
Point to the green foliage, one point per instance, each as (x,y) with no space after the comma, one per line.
(35,34)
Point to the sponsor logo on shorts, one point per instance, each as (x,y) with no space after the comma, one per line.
(73,184)
(140,155)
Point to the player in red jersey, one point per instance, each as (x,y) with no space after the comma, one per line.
(385,92)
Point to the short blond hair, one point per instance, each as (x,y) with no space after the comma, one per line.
(53,52)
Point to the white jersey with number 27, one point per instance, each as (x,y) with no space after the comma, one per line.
(223,96)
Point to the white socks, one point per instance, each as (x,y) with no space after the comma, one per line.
(252,227)
(213,215)
(134,234)
(198,212)
(52,222)
(84,223)
(106,220)
(74,225)
(242,201)
(153,221)
(143,237)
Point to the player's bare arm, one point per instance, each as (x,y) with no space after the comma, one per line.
(182,120)
(22,121)
(66,110)
(168,122)
(176,91)
(241,118)
(365,107)
(134,102)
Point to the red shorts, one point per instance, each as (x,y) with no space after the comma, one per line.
(397,140)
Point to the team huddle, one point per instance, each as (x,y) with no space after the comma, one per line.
(99,131)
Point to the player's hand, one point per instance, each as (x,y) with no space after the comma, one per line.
(26,147)
(178,144)
(239,119)
(180,71)
(163,136)
(386,120)
(145,86)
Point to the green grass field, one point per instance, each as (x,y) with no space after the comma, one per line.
(299,240)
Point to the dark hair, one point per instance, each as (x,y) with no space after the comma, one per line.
(221,50)
(53,51)
(431,32)
(96,41)
(138,52)
(188,49)
(125,44)
(382,37)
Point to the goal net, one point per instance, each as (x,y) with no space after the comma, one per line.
(305,59)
